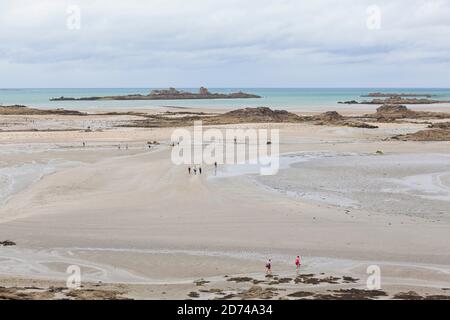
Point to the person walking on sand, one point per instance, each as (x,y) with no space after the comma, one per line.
(269,267)
(195,170)
(189,170)
(297,264)
(199,170)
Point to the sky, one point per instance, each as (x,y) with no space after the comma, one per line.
(224,43)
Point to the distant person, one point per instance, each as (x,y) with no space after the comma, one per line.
(84,144)
(189,170)
(269,267)
(297,263)
(195,171)
(215,164)
(200,170)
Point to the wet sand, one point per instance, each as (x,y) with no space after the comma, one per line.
(136,222)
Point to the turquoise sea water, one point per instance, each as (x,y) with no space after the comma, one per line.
(277,98)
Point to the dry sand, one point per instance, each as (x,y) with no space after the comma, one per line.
(142,226)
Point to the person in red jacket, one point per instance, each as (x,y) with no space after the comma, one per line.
(297,263)
(269,267)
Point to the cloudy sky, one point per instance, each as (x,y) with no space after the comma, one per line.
(224,43)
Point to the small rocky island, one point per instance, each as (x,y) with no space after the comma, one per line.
(396,95)
(397,98)
(167,94)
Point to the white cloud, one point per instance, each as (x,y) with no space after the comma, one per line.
(187,43)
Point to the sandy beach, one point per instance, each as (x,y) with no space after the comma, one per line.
(140,226)
(224,150)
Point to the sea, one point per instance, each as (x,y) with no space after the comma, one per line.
(276,98)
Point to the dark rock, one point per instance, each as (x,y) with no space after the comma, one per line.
(440,125)
(358,294)
(349,102)
(425,135)
(193,294)
(394,95)
(410,295)
(349,279)
(329,116)
(300,294)
(257,292)
(437,297)
(240,279)
(261,114)
(357,124)
(24,110)
(200,282)
(7,243)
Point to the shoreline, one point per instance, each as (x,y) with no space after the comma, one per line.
(337,276)
(251,260)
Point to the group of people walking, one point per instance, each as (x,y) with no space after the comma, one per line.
(198,169)
(195,169)
(297,263)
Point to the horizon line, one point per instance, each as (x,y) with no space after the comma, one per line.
(189,87)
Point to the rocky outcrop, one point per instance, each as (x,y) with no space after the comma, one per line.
(358,124)
(260,114)
(264,114)
(329,116)
(24,110)
(7,243)
(334,118)
(440,125)
(393,112)
(425,135)
(400,100)
(257,292)
(86,292)
(388,113)
(397,100)
(396,95)
(437,132)
(246,115)
(393,109)
(348,102)
(167,94)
